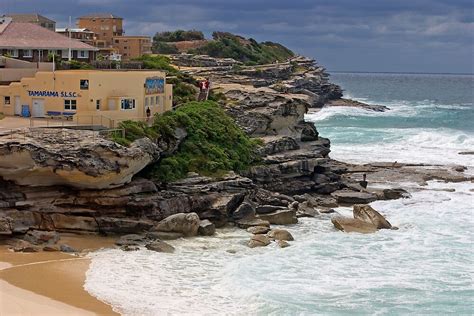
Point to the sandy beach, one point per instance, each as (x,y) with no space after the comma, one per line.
(50,283)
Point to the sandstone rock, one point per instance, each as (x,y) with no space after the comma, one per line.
(130,248)
(67,248)
(26,249)
(305,209)
(245,210)
(206,228)
(258,241)
(283,244)
(393,194)
(75,223)
(77,158)
(280,234)
(250,222)
(38,237)
(164,235)
(367,214)
(21,221)
(351,197)
(187,224)
(51,248)
(258,230)
(349,225)
(5,226)
(130,240)
(282,217)
(265,209)
(160,246)
(123,225)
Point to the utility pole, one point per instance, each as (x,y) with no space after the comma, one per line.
(69,29)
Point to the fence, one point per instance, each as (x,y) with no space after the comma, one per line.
(37,132)
(91,121)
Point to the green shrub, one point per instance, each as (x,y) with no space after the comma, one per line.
(227,45)
(178,36)
(214,145)
(164,48)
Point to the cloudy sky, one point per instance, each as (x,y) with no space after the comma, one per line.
(343,35)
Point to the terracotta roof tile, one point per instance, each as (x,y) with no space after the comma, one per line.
(27,35)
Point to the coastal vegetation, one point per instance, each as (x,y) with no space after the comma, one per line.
(249,51)
(214,143)
(222,45)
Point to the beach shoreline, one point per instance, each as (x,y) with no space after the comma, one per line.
(50,283)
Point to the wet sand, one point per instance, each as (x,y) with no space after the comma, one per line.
(50,283)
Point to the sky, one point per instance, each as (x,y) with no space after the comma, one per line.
(432,36)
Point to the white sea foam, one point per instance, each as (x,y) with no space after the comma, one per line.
(422,268)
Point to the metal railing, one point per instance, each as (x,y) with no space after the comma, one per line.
(61,133)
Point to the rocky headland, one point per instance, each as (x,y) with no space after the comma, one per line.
(62,180)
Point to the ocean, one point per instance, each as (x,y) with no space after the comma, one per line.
(424,268)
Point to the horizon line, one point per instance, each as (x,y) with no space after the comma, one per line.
(402,73)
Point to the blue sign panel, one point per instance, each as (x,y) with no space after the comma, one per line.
(154,85)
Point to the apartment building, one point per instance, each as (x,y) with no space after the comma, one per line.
(132,46)
(109,36)
(34,18)
(105,27)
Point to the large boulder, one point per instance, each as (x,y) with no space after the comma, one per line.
(160,246)
(76,158)
(206,228)
(251,222)
(281,217)
(185,223)
(245,210)
(38,237)
(393,194)
(353,197)
(258,230)
(367,214)
(350,225)
(5,226)
(280,234)
(259,241)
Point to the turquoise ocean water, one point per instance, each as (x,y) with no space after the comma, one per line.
(424,268)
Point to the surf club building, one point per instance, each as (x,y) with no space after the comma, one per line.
(108,96)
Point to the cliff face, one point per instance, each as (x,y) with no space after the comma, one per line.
(298,75)
(85,181)
(75,158)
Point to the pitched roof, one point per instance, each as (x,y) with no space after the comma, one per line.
(29,18)
(28,35)
(100,16)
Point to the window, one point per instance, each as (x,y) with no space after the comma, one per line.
(127,104)
(84,84)
(70,105)
(27,53)
(157,100)
(152,100)
(7,101)
(146,101)
(65,53)
(83,54)
(116,41)
(12,52)
(97,105)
